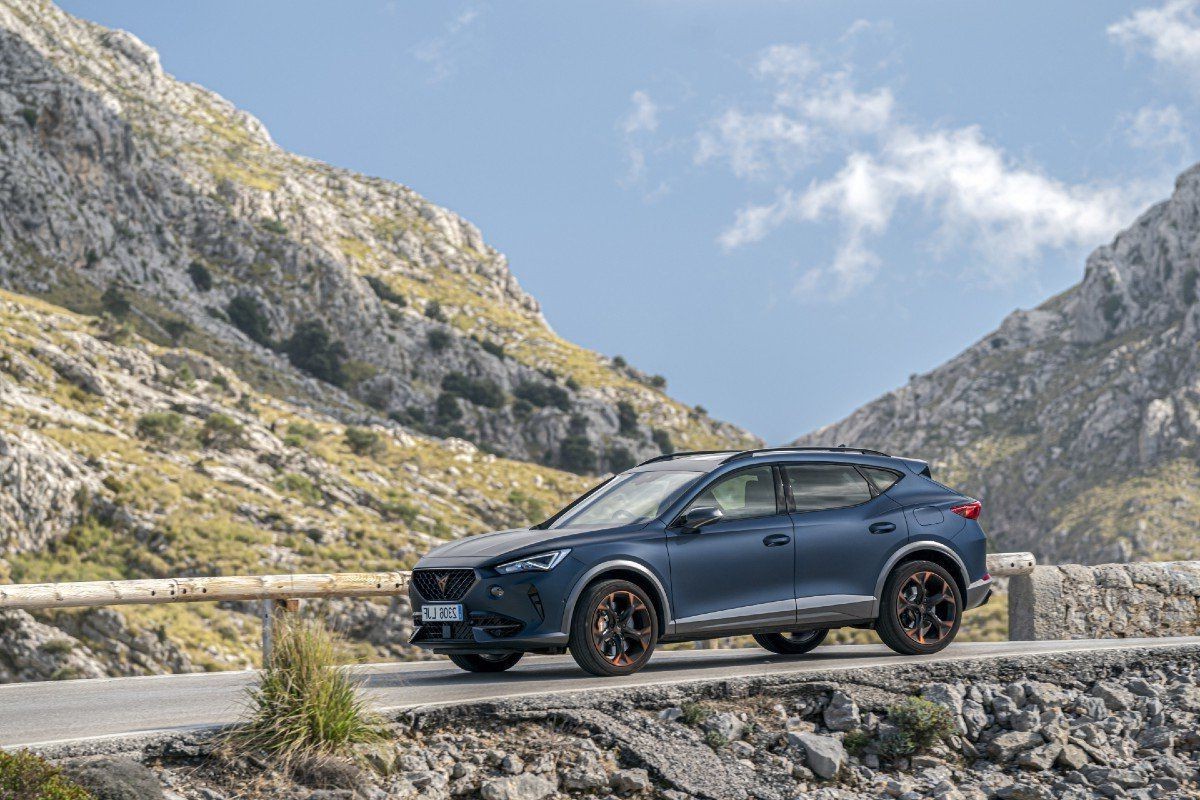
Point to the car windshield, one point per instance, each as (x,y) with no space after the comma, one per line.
(632,497)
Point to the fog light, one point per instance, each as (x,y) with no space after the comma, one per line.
(496,591)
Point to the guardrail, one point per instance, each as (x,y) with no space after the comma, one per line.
(278,593)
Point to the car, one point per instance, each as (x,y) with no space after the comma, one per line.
(782,544)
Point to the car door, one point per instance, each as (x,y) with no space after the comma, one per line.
(737,573)
(845,531)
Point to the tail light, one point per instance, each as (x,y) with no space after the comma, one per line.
(969,510)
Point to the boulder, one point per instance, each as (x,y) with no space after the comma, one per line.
(824,755)
(108,778)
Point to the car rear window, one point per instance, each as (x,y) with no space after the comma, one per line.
(820,486)
(883,479)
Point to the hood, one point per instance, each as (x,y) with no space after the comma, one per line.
(516,542)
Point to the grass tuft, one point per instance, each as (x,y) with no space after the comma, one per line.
(305,706)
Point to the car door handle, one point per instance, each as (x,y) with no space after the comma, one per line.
(882,527)
(776,539)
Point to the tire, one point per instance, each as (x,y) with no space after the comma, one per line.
(793,643)
(614,629)
(485,662)
(910,623)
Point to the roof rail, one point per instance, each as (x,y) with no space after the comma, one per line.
(841,448)
(681,454)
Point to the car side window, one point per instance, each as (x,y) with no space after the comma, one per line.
(883,479)
(745,494)
(821,486)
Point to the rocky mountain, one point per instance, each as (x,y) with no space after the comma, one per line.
(1077,422)
(125,191)
(120,458)
(217,357)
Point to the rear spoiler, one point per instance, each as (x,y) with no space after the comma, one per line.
(919,467)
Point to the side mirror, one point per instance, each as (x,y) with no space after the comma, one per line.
(696,518)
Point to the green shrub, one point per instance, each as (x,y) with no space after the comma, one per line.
(856,742)
(715,740)
(658,381)
(364,441)
(176,328)
(619,458)
(919,725)
(274,226)
(300,485)
(221,432)
(447,409)
(433,310)
(572,384)
(304,430)
(165,427)
(30,115)
(1189,286)
(480,391)
(576,454)
(385,292)
(304,704)
(543,394)
(313,350)
(627,418)
(694,713)
(247,315)
(438,340)
(495,348)
(115,302)
(201,277)
(619,362)
(663,440)
(25,776)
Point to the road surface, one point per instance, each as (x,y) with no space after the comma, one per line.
(44,713)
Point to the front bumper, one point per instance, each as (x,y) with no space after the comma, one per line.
(527,615)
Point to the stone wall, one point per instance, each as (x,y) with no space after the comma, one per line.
(1108,601)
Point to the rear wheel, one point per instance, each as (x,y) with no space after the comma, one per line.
(614,628)
(485,662)
(791,644)
(921,609)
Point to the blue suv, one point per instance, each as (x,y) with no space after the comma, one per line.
(782,544)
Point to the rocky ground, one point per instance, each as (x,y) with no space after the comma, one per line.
(1112,725)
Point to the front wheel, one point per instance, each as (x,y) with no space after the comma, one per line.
(791,644)
(614,629)
(921,609)
(485,662)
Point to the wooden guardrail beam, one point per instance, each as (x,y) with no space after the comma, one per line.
(38,596)
(1007,565)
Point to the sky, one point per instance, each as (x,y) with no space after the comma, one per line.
(786,207)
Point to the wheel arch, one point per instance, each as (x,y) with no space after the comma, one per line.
(637,574)
(940,554)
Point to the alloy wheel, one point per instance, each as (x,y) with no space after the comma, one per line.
(926,607)
(622,628)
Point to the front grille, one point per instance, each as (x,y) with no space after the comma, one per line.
(443,584)
(495,624)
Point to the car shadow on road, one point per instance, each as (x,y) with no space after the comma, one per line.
(540,669)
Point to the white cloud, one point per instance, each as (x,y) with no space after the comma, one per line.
(442,52)
(967,191)
(1157,128)
(756,144)
(636,125)
(643,116)
(1169,33)
(972,192)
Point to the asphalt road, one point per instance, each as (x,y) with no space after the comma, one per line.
(44,713)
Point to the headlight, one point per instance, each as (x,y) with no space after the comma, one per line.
(543,562)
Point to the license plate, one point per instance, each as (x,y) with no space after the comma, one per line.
(442,612)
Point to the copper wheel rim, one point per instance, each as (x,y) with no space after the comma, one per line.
(926,607)
(621,628)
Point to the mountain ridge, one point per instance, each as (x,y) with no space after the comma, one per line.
(1078,421)
(126,183)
